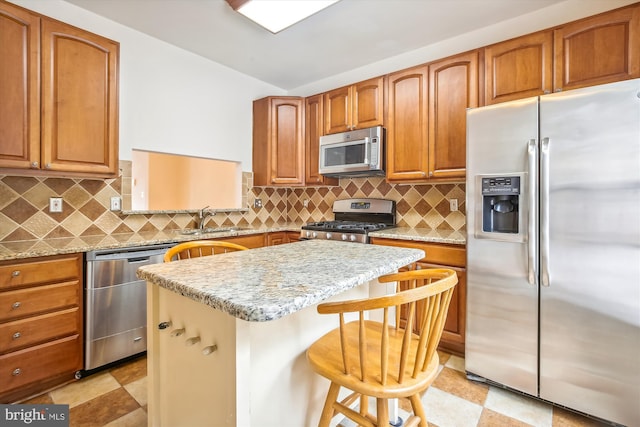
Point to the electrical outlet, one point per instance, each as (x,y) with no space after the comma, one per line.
(116,203)
(257,203)
(305,203)
(453,205)
(55,204)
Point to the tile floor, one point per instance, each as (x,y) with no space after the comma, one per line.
(118,398)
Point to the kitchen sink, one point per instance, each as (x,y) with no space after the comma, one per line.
(209,230)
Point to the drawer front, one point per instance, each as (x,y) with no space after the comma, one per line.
(436,253)
(26,302)
(39,363)
(39,329)
(43,270)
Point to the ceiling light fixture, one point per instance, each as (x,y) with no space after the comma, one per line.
(276,15)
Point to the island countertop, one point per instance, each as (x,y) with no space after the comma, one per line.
(268,283)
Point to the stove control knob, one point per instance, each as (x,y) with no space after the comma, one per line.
(329,236)
(308,234)
(344,237)
(314,235)
(352,237)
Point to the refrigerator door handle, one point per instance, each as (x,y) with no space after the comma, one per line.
(532,155)
(544,212)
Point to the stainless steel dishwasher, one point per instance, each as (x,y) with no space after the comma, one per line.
(116,303)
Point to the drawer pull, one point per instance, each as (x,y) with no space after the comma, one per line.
(209,349)
(16,372)
(177,332)
(15,273)
(136,339)
(15,305)
(192,341)
(16,335)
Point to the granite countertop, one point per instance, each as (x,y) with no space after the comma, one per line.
(268,283)
(44,247)
(422,235)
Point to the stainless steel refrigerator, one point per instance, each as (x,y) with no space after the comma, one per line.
(553,248)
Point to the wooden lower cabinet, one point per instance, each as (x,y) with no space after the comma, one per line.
(40,324)
(443,256)
(250,241)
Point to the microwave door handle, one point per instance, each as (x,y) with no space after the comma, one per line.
(367,150)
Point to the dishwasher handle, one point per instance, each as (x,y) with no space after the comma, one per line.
(139,260)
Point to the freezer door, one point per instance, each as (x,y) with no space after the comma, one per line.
(501,341)
(590,251)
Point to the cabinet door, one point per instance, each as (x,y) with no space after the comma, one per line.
(79,100)
(601,49)
(19,88)
(337,111)
(287,143)
(453,87)
(367,103)
(313,130)
(277,238)
(454,327)
(407,143)
(519,68)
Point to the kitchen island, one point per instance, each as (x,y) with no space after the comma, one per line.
(227,334)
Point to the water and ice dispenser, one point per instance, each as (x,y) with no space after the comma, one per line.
(500,208)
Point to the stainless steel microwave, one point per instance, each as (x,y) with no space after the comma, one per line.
(354,153)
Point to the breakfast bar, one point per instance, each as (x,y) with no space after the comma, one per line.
(227,334)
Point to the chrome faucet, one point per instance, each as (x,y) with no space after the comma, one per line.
(202,216)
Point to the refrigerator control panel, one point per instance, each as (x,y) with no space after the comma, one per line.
(508,185)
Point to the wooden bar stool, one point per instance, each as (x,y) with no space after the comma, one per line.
(198,248)
(382,360)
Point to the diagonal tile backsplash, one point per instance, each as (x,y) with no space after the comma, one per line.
(24,206)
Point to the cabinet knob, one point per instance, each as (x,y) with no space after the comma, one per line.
(16,335)
(164,325)
(47,166)
(192,341)
(16,372)
(15,273)
(430,173)
(209,349)
(177,332)
(35,165)
(15,305)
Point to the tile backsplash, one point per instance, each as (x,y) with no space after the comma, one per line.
(24,206)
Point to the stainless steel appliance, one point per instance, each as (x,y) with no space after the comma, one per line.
(354,219)
(116,303)
(354,153)
(553,248)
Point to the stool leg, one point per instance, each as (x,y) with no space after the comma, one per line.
(418,409)
(382,415)
(327,411)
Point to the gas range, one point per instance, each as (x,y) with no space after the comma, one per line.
(354,219)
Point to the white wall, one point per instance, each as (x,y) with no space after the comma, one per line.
(566,11)
(172,100)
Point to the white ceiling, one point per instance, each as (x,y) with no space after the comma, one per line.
(345,36)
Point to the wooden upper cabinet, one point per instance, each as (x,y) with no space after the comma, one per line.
(354,107)
(453,87)
(601,49)
(79,100)
(59,88)
(519,68)
(19,88)
(313,130)
(278,141)
(407,119)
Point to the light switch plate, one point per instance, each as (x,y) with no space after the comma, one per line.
(453,205)
(55,204)
(116,203)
